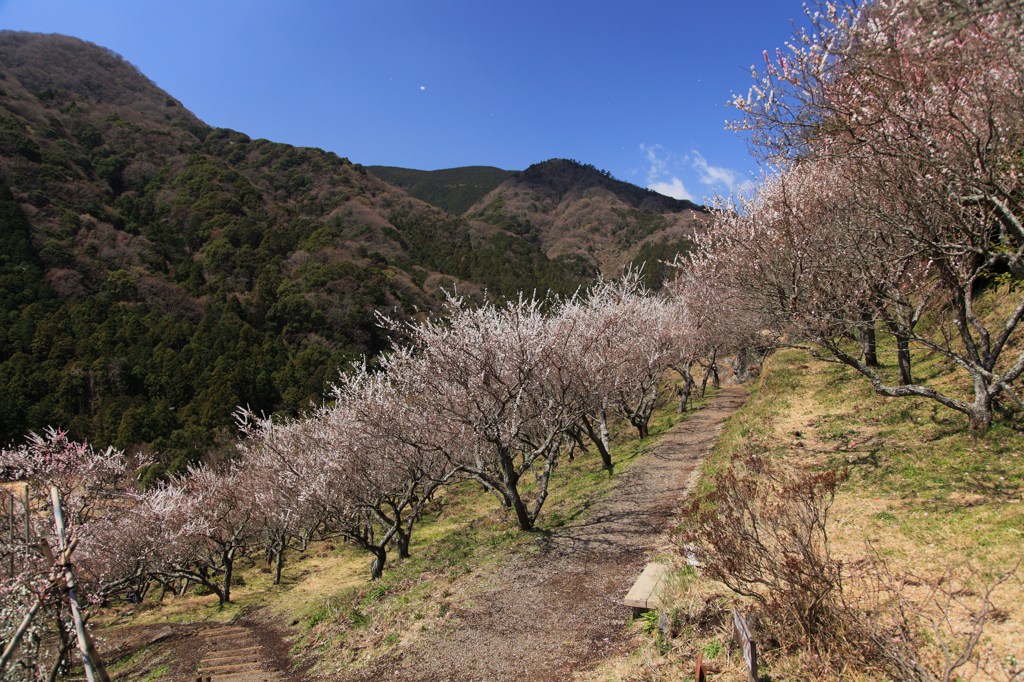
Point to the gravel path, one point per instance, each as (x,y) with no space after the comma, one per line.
(560,610)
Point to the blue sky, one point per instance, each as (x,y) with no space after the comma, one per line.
(635,87)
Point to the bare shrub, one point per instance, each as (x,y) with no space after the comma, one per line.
(762,532)
(925,629)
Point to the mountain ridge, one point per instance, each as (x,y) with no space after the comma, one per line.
(572,208)
(567,207)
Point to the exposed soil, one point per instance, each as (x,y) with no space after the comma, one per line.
(547,614)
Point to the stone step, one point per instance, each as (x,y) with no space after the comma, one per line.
(225,630)
(250,666)
(226,658)
(230,645)
(249,677)
(247,648)
(245,652)
(233,655)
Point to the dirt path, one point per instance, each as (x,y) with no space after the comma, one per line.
(561,610)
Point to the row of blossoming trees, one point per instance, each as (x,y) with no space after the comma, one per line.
(897,133)
(496,394)
(895,129)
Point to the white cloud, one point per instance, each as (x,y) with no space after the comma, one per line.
(714,175)
(657,166)
(659,178)
(673,188)
(667,173)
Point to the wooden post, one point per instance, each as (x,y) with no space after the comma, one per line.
(701,673)
(741,633)
(10,522)
(28,522)
(94,669)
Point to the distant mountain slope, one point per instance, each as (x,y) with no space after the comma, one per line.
(571,208)
(157,272)
(453,189)
(568,209)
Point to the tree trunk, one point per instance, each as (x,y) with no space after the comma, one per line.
(712,368)
(229,567)
(380,557)
(866,336)
(510,493)
(600,440)
(602,425)
(402,541)
(980,412)
(278,565)
(903,359)
(686,390)
(522,513)
(62,661)
(577,439)
(981,421)
(544,479)
(641,417)
(684,394)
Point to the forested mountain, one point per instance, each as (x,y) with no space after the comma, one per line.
(155,272)
(566,208)
(453,189)
(573,209)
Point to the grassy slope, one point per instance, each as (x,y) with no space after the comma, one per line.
(340,620)
(925,493)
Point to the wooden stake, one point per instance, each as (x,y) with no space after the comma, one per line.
(741,633)
(94,669)
(28,523)
(10,522)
